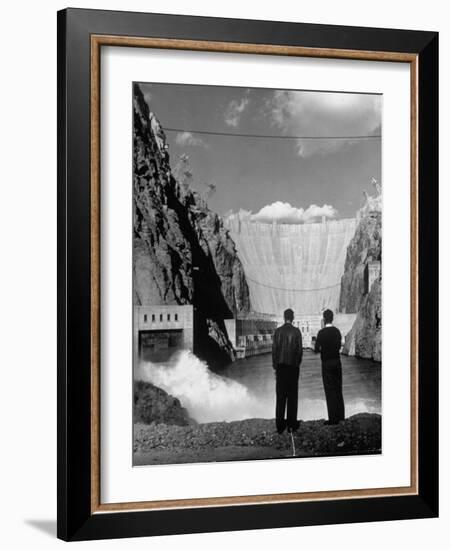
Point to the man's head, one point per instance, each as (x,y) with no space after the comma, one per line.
(328,316)
(288,315)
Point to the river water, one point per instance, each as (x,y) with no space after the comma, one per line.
(361,380)
(246,388)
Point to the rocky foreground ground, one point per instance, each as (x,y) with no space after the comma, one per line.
(159,443)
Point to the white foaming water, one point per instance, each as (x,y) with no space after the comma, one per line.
(207,396)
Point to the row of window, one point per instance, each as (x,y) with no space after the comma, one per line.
(161,317)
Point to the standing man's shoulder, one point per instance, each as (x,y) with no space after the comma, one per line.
(276,334)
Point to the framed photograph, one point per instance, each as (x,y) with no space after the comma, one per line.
(247,254)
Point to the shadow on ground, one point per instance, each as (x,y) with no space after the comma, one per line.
(47,526)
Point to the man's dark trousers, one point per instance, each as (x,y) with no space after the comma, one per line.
(332,383)
(287,393)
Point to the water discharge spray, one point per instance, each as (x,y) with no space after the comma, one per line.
(207,396)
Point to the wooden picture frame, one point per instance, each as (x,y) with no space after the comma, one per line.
(81,35)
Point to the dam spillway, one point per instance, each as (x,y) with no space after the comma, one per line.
(293,265)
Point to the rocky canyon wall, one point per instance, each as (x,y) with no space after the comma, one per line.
(364,338)
(357,294)
(365,246)
(182,253)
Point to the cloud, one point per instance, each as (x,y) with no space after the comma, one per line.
(148,97)
(240,215)
(188,139)
(146,91)
(324,114)
(234,111)
(283,212)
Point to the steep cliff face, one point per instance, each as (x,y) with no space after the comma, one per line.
(365,246)
(216,241)
(364,339)
(361,284)
(182,252)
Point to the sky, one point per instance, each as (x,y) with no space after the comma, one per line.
(279,177)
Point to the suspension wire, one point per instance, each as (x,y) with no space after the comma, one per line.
(265,136)
(292,289)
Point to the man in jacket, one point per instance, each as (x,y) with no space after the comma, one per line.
(328,342)
(287,354)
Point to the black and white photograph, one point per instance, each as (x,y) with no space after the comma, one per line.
(257,253)
(224,294)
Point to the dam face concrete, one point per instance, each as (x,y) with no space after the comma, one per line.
(296,266)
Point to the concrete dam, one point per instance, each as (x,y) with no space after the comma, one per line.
(293,265)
